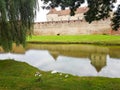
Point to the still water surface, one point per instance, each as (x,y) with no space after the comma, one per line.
(81,60)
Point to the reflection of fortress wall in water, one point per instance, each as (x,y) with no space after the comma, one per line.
(83,51)
(97,54)
(98,60)
(79,50)
(114,52)
(73,50)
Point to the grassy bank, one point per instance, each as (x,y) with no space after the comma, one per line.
(21,76)
(81,39)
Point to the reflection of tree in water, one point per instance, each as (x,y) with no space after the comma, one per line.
(98,60)
(15,49)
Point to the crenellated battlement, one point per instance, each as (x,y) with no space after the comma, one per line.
(65,21)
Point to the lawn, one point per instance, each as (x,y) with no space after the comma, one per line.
(78,39)
(16,75)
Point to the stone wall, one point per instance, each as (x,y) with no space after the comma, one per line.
(74,27)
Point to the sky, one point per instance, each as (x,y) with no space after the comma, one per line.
(41,14)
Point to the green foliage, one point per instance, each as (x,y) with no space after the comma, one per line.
(116,19)
(72,4)
(16,19)
(98,9)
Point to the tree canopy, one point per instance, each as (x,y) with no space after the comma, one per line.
(116,19)
(97,9)
(16,19)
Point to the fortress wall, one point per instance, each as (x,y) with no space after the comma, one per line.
(74,27)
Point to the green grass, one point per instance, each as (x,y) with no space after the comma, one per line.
(78,39)
(16,75)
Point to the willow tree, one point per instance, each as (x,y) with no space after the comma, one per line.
(97,9)
(16,19)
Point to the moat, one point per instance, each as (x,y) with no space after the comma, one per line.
(75,59)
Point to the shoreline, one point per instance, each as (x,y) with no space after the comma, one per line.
(87,43)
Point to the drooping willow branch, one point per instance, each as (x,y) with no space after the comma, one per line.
(16,19)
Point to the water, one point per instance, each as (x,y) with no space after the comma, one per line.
(75,59)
